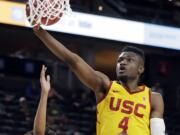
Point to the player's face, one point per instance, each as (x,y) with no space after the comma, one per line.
(129,66)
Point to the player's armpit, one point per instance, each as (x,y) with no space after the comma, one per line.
(105,82)
(103,89)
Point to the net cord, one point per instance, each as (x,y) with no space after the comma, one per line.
(47,9)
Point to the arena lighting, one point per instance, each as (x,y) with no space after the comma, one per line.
(99,27)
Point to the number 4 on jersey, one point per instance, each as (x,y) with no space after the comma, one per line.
(124,123)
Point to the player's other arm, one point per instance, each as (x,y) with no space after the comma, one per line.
(40,118)
(157,122)
(94,80)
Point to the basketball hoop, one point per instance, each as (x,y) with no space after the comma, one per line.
(46,12)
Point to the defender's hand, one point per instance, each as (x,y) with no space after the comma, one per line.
(45,80)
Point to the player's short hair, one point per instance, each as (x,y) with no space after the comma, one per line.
(136,50)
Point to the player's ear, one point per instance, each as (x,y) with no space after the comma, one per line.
(141,69)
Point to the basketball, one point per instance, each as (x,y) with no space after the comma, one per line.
(45,20)
(48,16)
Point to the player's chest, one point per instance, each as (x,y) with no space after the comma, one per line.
(128,104)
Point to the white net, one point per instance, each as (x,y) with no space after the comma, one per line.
(47,10)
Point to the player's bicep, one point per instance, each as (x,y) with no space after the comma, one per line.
(157,105)
(88,76)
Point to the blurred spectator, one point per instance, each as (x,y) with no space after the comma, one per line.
(178,98)
(49,131)
(32,91)
(29,133)
(84,101)
(2,109)
(9,98)
(157,88)
(53,108)
(53,93)
(77,133)
(25,109)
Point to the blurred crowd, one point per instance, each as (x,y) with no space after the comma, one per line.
(71,113)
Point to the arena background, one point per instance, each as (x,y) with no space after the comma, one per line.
(71,106)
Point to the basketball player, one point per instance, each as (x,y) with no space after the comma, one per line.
(123,107)
(39,127)
(40,118)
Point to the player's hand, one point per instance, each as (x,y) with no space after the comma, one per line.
(37,27)
(45,81)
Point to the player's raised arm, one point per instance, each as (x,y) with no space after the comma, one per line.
(40,118)
(95,80)
(157,122)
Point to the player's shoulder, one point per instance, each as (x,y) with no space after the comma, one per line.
(156,94)
(156,97)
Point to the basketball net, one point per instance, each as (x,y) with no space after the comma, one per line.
(48,9)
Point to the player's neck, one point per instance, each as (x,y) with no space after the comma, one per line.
(131,86)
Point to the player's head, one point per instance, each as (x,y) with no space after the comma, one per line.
(130,64)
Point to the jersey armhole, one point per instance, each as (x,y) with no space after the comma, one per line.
(107,92)
(150,102)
